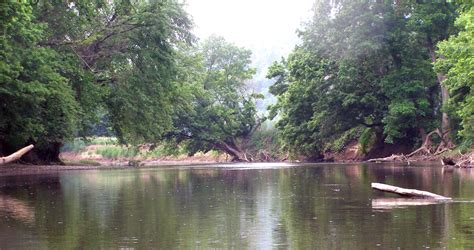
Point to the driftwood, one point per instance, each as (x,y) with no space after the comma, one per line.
(15,156)
(408,192)
(390,203)
(392,158)
(465,161)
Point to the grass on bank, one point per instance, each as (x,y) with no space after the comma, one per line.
(109,148)
(116,152)
(79,145)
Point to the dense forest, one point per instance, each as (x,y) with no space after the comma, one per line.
(386,76)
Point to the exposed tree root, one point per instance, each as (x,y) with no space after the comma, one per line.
(428,150)
(427,146)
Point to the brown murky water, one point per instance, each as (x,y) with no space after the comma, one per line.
(256,206)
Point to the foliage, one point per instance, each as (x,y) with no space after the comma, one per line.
(76,145)
(82,67)
(366,140)
(215,111)
(115,152)
(361,63)
(457,62)
(130,69)
(264,145)
(79,144)
(338,144)
(37,104)
(127,49)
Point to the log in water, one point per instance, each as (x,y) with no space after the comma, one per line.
(408,192)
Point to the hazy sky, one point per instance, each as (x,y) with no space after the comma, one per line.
(254,24)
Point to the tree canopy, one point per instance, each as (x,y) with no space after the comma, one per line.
(65,63)
(457,62)
(364,70)
(220,110)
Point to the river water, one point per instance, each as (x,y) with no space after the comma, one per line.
(257,206)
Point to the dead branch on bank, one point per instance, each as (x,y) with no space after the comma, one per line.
(15,156)
(465,161)
(407,192)
(427,147)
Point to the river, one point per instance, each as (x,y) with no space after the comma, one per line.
(257,206)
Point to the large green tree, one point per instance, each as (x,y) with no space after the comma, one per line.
(457,63)
(217,110)
(66,63)
(362,67)
(432,23)
(37,104)
(129,47)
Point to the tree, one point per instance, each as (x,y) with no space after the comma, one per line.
(66,65)
(217,111)
(37,104)
(433,23)
(457,63)
(361,67)
(129,49)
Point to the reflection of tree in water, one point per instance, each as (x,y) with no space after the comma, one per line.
(16,209)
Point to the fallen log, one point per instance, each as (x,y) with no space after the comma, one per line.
(408,192)
(390,203)
(15,156)
(392,158)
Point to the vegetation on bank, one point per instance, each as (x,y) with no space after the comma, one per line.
(104,150)
(376,76)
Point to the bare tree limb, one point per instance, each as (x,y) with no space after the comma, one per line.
(15,156)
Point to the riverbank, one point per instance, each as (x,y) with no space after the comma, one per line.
(14,169)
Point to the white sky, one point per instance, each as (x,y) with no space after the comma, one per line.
(254,24)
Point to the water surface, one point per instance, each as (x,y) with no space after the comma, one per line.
(256,206)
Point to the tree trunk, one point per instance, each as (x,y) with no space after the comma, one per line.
(422,134)
(236,153)
(445,122)
(45,154)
